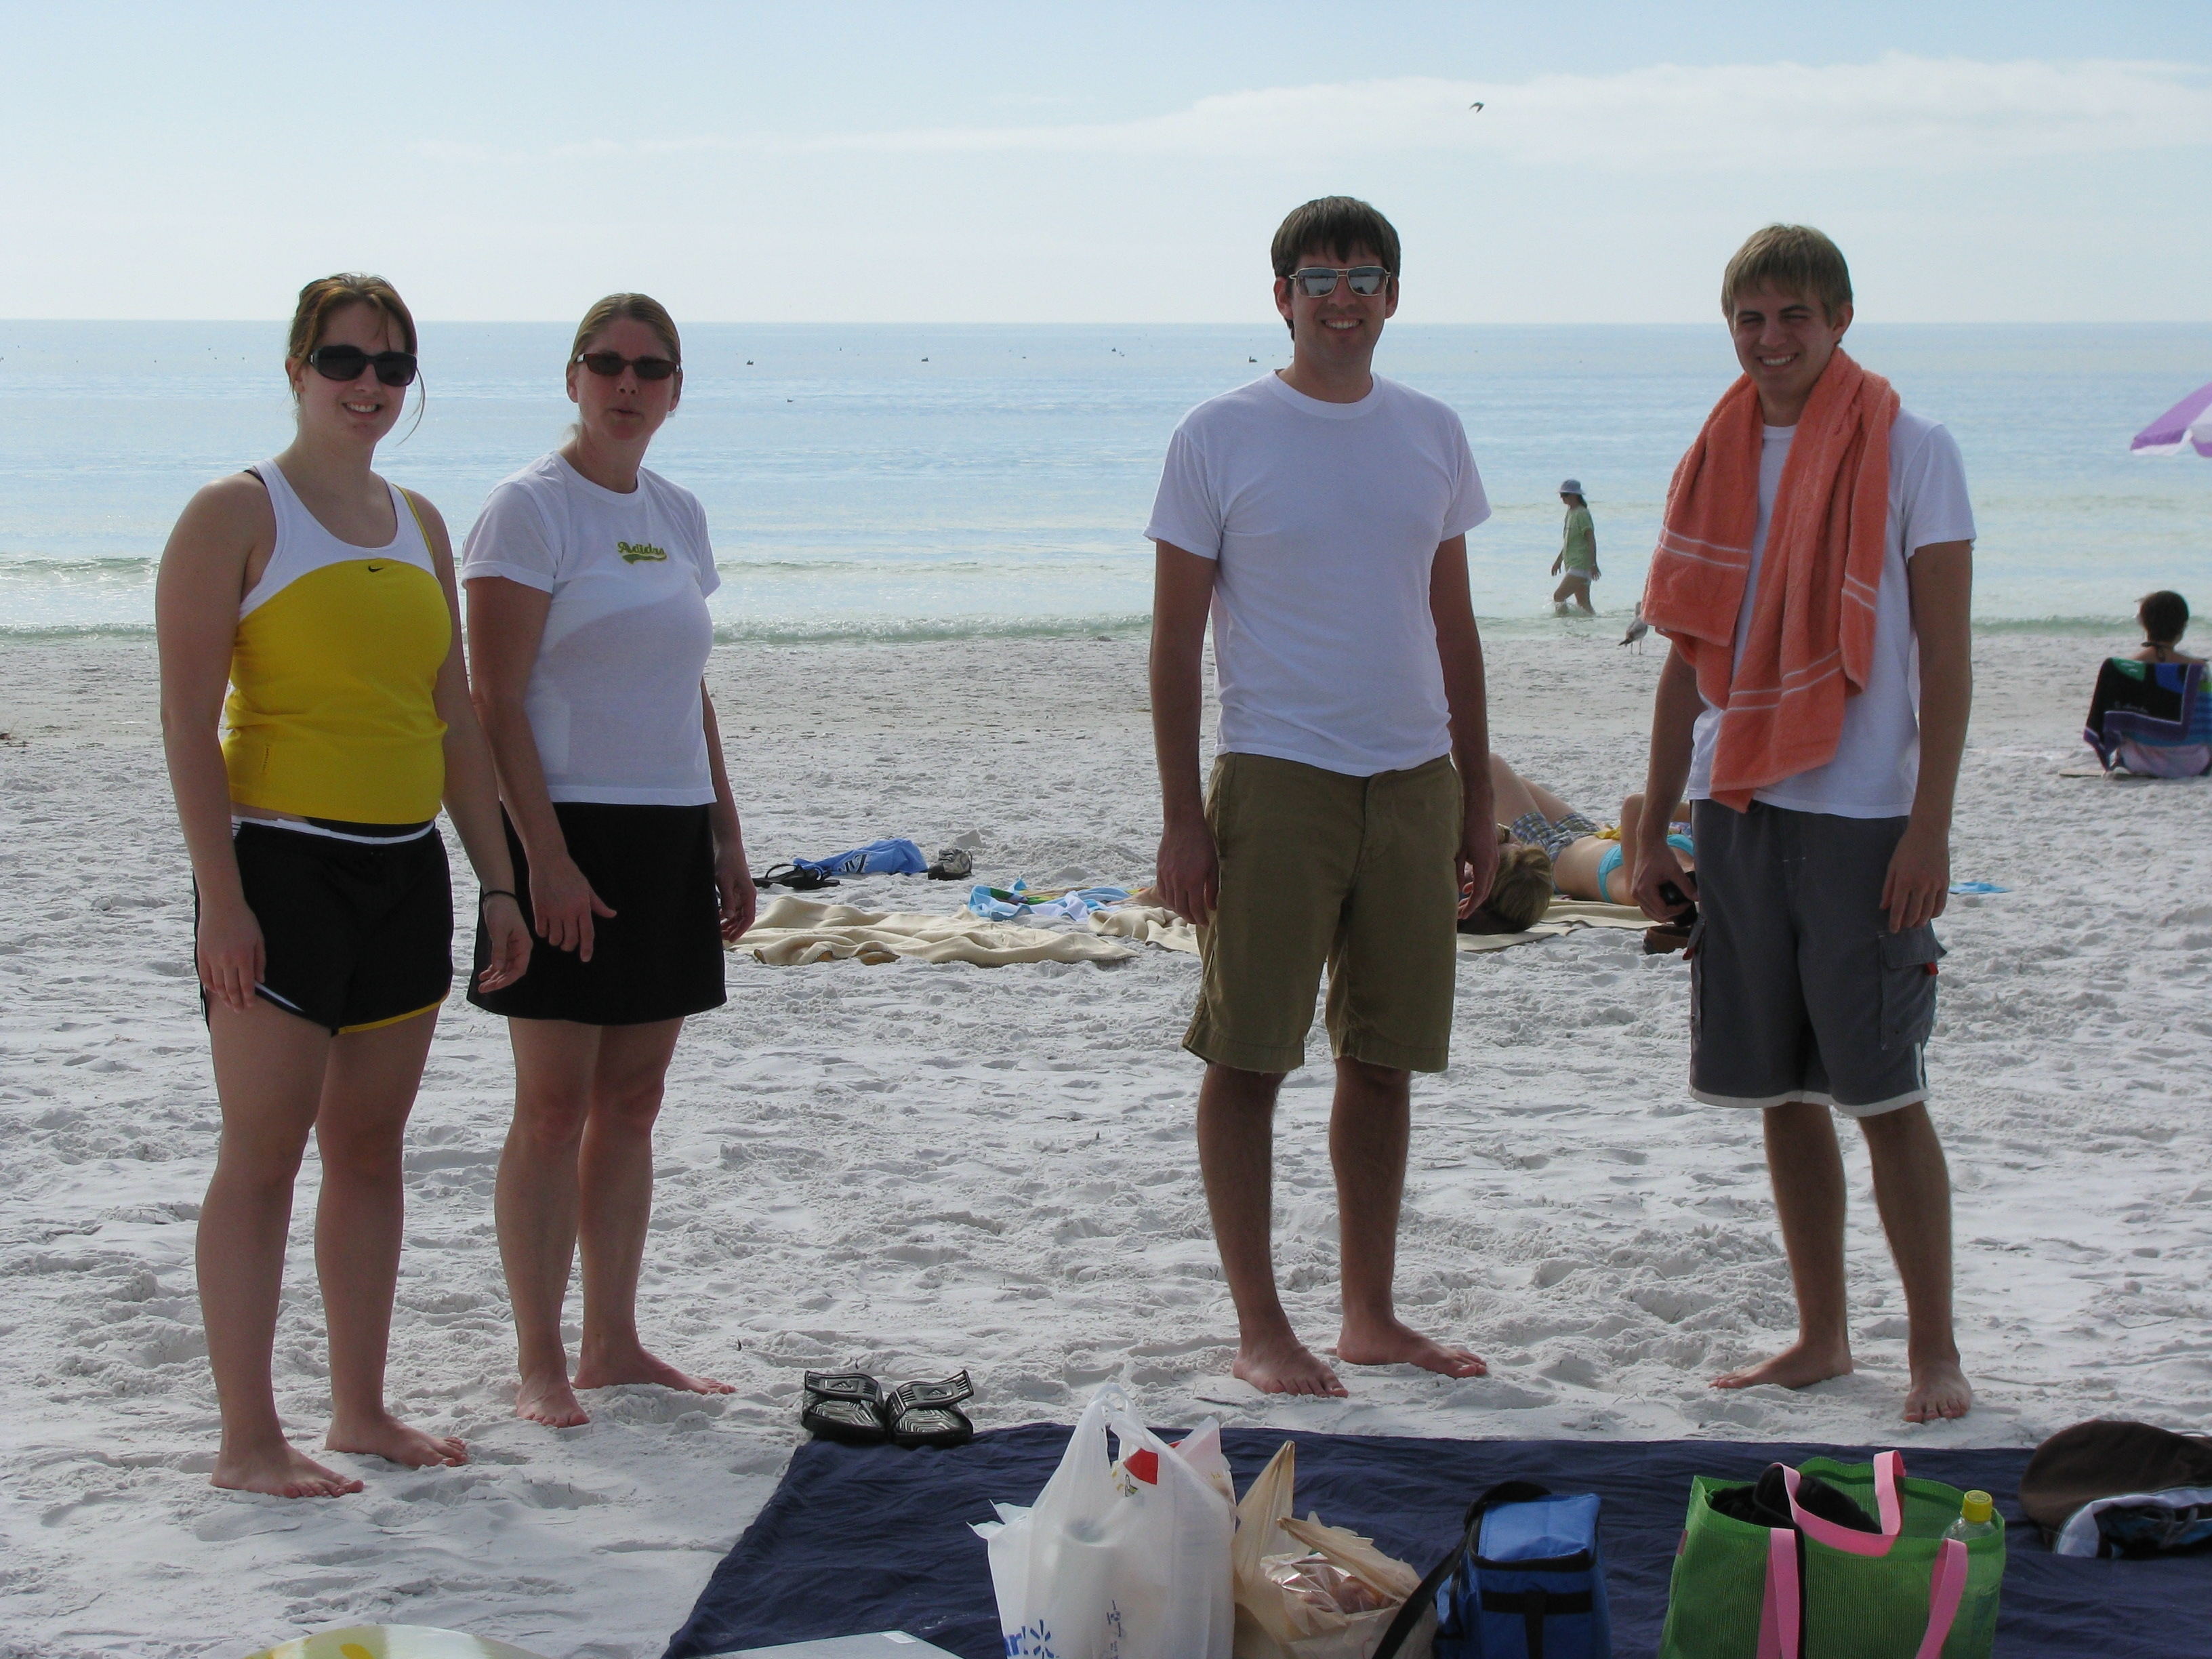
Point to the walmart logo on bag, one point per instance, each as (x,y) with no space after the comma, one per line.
(632,552)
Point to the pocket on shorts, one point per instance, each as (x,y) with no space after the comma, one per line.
(1908,985)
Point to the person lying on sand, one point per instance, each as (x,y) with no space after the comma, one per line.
(1821,775)
(1321,515)
(1588,861)
(322,597)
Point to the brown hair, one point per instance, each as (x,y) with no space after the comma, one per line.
(1794,259)
(1521,890)
(1333,225)
(2164,616)
(639,308)
(350,287)
(328,294)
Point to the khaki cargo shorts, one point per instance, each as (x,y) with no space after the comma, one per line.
(1319,869)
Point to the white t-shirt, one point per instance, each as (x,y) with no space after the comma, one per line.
(614,698)
(1325,520)
(1876,765)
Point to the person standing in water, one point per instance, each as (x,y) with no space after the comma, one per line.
(323,598)
(1577,555)
(588,631)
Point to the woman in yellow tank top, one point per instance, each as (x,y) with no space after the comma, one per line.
(323,598)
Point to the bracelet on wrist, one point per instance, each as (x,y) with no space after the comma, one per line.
(497,892)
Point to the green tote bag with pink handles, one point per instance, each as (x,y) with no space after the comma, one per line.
(1906,1592)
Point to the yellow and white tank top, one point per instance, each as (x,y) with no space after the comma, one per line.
(333,673)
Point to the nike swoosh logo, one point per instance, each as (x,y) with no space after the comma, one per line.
(373,568)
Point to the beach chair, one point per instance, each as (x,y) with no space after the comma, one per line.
(2153,719)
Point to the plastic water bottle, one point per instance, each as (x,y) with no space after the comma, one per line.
(1978,1607)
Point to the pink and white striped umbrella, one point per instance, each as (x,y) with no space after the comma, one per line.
(2187,425)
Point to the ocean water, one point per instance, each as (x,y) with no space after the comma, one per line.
(900,482)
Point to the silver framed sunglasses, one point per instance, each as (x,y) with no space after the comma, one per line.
(1319,282)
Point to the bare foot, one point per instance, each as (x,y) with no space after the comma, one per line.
(550,1400)
(608,1371)
(280,1471)
(1395,1344)
(1940,1390)
(1286,1366)
(1797,1366)
(385,1436)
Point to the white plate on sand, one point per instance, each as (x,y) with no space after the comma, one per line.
(392,1642)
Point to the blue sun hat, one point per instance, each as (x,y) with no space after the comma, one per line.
(1572,487)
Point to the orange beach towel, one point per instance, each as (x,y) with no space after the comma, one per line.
(1811,638)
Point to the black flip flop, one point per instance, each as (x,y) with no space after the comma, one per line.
(927,1414)
(799,880)
(846,1407)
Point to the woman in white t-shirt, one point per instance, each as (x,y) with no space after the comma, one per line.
(587,580)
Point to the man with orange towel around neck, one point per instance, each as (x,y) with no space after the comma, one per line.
(1813,575)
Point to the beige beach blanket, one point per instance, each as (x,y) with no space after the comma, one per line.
(1562,917)
(1150,924)
(793,932)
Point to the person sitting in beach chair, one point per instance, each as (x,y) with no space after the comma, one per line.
(2151,718)
(2164,618)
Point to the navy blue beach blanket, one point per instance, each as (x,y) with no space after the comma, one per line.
(877,1538)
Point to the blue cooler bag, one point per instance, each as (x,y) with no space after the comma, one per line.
(1527,1582)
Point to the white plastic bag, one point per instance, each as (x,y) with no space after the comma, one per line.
(1125,1559)
(1275,1620)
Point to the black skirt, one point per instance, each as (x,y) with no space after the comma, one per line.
(658,957)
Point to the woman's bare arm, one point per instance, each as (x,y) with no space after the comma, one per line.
(733,880)
(471,790)
(195,597)
(507,621)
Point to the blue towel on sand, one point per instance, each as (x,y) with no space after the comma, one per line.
(877,858)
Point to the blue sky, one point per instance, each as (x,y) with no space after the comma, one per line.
(1040,162)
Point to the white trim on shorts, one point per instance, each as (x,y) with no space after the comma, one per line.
(1814,1098)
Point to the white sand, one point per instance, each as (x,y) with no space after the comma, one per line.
(909,1167)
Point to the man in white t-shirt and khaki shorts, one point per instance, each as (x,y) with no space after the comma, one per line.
(1814,706)
(1318,515)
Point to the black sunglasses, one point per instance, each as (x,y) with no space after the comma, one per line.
(1319,282)
(345,362)
(611,363)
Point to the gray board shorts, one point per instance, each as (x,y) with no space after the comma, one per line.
(1798,990)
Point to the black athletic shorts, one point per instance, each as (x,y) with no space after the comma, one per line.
(356,934)
(658,957)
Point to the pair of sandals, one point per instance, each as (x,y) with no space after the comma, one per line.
(852,1407)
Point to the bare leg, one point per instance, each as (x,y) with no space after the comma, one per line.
(1510,795)
(1913,1191)
(368,1089)
(615,1187)
(269,1075)
(1369,1129)
(536,1203)
(1235,1155)
(1807,1169)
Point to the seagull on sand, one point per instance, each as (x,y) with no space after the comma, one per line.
(1637,630)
